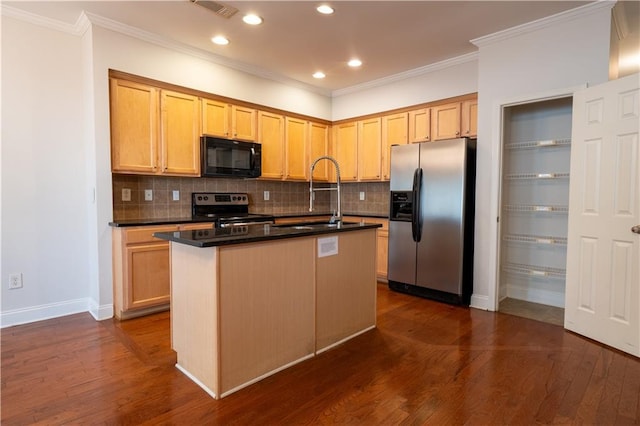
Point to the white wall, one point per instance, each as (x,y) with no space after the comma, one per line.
(566,52)
(45,196)
(439,81)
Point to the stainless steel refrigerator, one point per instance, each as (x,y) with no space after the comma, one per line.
(432,202)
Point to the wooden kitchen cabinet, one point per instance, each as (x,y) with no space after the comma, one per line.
(346,150)
(445,121)
(394,132)
(140,271)
(153,131)
(180,138)
(296,144)
(319,147)
(134,127)
(271,136)
(419,125)
(228,120)
(369,149)
(469,119)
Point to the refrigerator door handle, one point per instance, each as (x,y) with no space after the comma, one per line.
(415,213)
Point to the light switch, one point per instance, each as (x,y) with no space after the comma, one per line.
(148,195)
(176,195)
(126,194)
(266,195)
(361,195)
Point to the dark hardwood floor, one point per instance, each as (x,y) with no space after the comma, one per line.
(426,363)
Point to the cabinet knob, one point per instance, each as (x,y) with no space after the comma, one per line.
(636,229)
(457,133)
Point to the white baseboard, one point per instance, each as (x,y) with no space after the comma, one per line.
(536,295)
(100,313)
(54,310)
(479,302)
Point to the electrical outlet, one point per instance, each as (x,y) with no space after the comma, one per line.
(266,195)
(15,281)
(361,195)
(176,195)
(126,194)
(148,195)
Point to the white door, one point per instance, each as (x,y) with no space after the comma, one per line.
(603,253)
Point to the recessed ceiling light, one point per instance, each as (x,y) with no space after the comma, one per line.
(318,74)
(220,40)
(325,9)
(252,19)
(354,63)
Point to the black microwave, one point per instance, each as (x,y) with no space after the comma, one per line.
(229,158)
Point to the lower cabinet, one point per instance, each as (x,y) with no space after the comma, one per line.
(141,274)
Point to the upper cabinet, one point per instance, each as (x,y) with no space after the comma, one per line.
(228,121)
(271,136)
(137,113)
(155,130)
(470,118)
(134,127)
(346,150)
(369,149)
(296,145)
(319,147)
(419,125)
(445,121)
(394,132)
(180,137)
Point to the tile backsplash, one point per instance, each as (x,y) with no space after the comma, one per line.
(284,197)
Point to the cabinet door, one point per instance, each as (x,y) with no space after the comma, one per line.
(271,136)
(243,123)
(215,118)
(420,125)
(148,275)
(369,149)
(296,148)
(346,150)
(382,254)
(180,134)
(319,147)
(445,121)
(470,118)
(134,127)
(394,132)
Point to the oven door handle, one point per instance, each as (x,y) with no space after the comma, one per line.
(230,224)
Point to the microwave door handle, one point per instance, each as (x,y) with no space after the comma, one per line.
(253,158)
(416,230)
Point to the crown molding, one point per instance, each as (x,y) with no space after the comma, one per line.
(38,20)
(416,72)
(539,24)
(87,19)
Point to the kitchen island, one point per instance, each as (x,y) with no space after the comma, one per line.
(249,301)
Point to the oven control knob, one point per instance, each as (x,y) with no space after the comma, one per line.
(199,197)
(206,198)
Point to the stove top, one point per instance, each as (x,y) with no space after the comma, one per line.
(225,208)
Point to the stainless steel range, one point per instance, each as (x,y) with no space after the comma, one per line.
(225,209)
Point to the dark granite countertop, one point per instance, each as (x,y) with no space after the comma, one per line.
(180,220)
(255,233)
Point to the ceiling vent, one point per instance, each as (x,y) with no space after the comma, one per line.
(217,8)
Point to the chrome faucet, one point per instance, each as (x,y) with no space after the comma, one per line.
(336,217)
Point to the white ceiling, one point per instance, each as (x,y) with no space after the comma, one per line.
(390,37)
